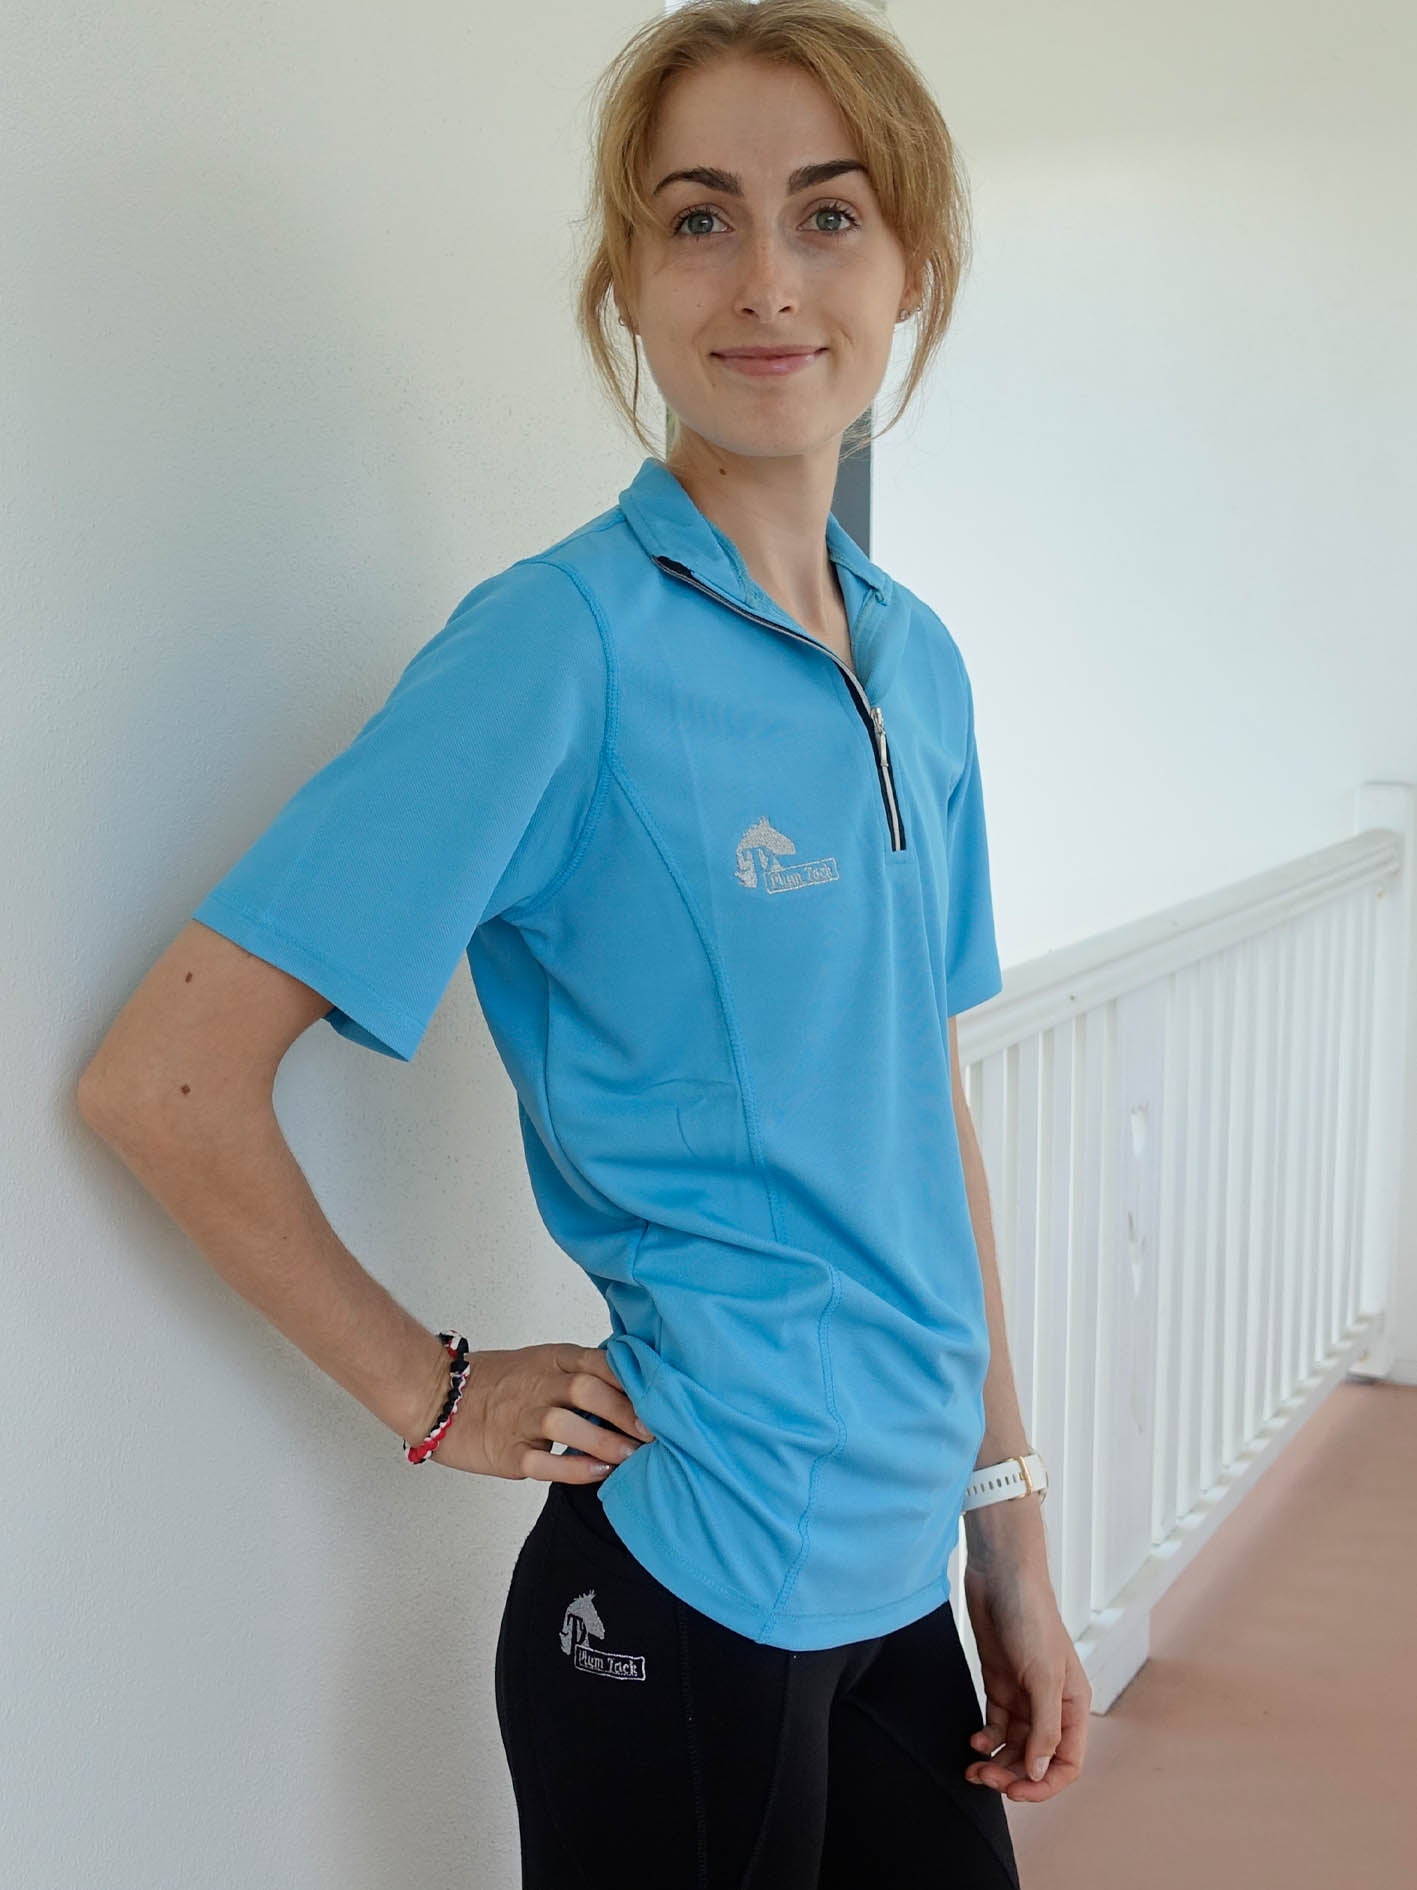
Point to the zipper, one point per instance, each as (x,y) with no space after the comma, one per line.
(870,712)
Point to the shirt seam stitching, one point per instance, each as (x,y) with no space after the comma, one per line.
(580,845)
(737,1051)
(804,1521)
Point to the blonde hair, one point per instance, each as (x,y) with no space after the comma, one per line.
(885,104)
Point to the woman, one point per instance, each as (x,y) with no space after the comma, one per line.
(696,792)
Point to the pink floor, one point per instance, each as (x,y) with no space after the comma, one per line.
(1270,1742)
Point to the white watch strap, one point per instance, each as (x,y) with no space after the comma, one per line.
(1015,1476)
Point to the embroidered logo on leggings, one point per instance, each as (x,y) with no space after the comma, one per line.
(761,860)
(581,1625)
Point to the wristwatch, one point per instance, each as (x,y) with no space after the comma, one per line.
(1015,1476)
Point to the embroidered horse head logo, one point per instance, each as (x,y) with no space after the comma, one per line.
(761,853)
(770,845)
(579,1626)
(580,1621)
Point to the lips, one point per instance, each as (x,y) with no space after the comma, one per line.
(770,364)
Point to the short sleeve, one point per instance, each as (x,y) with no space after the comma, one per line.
(972,971)
(462,798)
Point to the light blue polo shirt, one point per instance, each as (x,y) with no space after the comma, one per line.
(718,898)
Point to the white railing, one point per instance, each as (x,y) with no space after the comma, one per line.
(1187,1127)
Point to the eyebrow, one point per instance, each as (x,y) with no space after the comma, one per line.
(731,184)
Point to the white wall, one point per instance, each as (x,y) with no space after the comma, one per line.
(289,367)
(1164,484)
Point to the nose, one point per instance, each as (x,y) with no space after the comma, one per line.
(767,284)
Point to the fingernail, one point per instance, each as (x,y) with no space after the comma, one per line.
(1038,1768)
(644,1430)
(601,1468)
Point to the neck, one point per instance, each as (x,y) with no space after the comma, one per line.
(775,511)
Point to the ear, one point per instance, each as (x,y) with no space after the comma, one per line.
(914,288)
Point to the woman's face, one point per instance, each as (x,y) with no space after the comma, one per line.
(765,259)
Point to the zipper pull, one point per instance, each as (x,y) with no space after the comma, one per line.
(880,721)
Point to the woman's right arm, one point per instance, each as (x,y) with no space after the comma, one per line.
(181,1088)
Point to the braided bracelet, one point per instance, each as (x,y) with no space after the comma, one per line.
(458,1377)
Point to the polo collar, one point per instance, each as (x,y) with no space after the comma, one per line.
(669,525)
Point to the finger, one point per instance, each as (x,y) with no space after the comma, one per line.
(1003,1769)
(983,1772)
(989,1742)
(1065,1763)
(591,1385)
(996,1722)
(541,1464)
(999,1764)
(1002,1766)
(596,1440)
(1046,1731)
(1058,1777)
(1072,1741)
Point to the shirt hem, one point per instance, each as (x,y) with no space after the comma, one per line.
(344,990)
(962,994)
(797,1633)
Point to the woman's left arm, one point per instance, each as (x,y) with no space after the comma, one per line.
(1037,1694)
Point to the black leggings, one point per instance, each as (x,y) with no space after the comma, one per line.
(652,1748)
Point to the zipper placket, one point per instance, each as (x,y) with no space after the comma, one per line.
(870,712)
